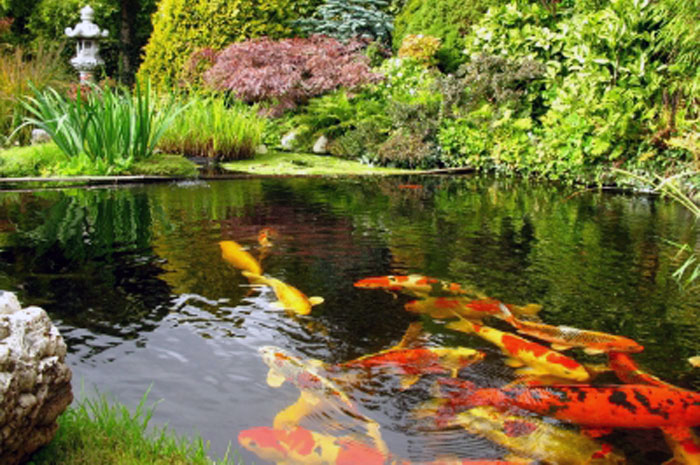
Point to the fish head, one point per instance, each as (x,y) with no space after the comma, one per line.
(276,444)
(415,306)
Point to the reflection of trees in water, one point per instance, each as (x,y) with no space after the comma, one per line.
(85,257)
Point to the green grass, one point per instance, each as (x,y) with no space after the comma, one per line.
(99,432)
(303,164)
(48,160)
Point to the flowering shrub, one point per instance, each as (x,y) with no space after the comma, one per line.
(289,71)
(420,47)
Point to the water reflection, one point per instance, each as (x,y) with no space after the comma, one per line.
(136,280)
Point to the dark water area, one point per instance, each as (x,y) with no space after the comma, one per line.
(134,279)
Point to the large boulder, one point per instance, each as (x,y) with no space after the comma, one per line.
(34,379)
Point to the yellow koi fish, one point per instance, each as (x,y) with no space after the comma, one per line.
(695,361)
(536,358)
(233,253)
(565,337)
(536,439)
(289,297)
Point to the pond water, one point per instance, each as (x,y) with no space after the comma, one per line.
(135,280)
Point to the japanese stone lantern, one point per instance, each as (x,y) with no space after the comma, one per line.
(88,35)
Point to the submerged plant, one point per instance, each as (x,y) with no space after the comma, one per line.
(102,131)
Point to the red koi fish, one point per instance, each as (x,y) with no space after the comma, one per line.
(565,337)
(627,370)
(300,446)
(620,406)
(445,307)
(411,364)
(415,284)
(684,444)
(529,357)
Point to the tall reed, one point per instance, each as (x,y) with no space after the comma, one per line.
(210,127)
(43,67)
(106,128)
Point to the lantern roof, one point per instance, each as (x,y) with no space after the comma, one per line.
(86,29)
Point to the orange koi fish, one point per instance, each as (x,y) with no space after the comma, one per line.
(289,297)
(315,388)
(537,439)
(627,370)
(410,186)
(414,283)
(565,337)
(300,446)
(539,359)
(265,235)
(411,364)
(619,406)
(445,307)
(684,444)
(233,253)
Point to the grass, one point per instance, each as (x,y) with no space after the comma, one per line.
(210,127)
(47,160)
(279,163)
(99,432)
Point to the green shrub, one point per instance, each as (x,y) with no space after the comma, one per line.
(101,131)
(406,150)
(209,127)
(421,48)
(448,20)
(34,160)
(181,27)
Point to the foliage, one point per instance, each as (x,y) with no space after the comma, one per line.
(348,19)
(35,160)
(421,48)
(101,132)
(100,431)
(181,27)
(161,164)
(448,20)
(289,71)
(42,68)
(404,149)
(210,127)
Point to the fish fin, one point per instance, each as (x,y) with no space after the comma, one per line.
(311,399)
(274,379)
(517,460)
(530,372)
(529,309)
(507,315)
(316,300)
(556,346)
(408,381)
(254,278)
(278,305)
(463,326)
(411,335)
(292,415)
(514,363)
(595,433)
(373,432)
(695,361)
(595,369)
(591,351)
(428,409)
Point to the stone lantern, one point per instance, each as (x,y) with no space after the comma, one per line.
(88,35)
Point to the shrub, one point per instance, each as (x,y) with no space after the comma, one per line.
(181,27)
(43,68)
(420,47)
(347,19)
(448,20)
(406,150)
(208,127)
(289,71)
(102,132)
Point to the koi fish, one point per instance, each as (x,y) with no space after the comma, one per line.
(411,364)
(315,388)
(565,337)
(684,444)
(410,186)
(445,307)
(233,253)
(695,361)
(627,370)
(537,439)
(529,357)
(619,406)
(289,297)
(300,446)
(264,237)
(414,283)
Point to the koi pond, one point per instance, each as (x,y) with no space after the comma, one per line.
(157,286)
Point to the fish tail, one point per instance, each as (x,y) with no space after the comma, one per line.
(254,278)
(529,309)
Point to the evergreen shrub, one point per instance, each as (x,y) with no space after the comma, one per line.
(289,71)
(421,48)
(181,27)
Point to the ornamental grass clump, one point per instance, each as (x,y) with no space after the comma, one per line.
(287,73)
(101,131)
(211,128)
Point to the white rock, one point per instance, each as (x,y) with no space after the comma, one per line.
(287,141)
(321,145)
(261,149)
(39,136)
(9,303)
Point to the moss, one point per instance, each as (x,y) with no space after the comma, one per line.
(278,163)
(165,165)
(33,160)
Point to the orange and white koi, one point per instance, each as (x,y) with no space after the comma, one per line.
(300,446)
(565,337)
(289,297)
(618,406)
(415,284)
(537,439)
(529,357)
(411,364)
(446,307)
(233,253)
(265,235)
